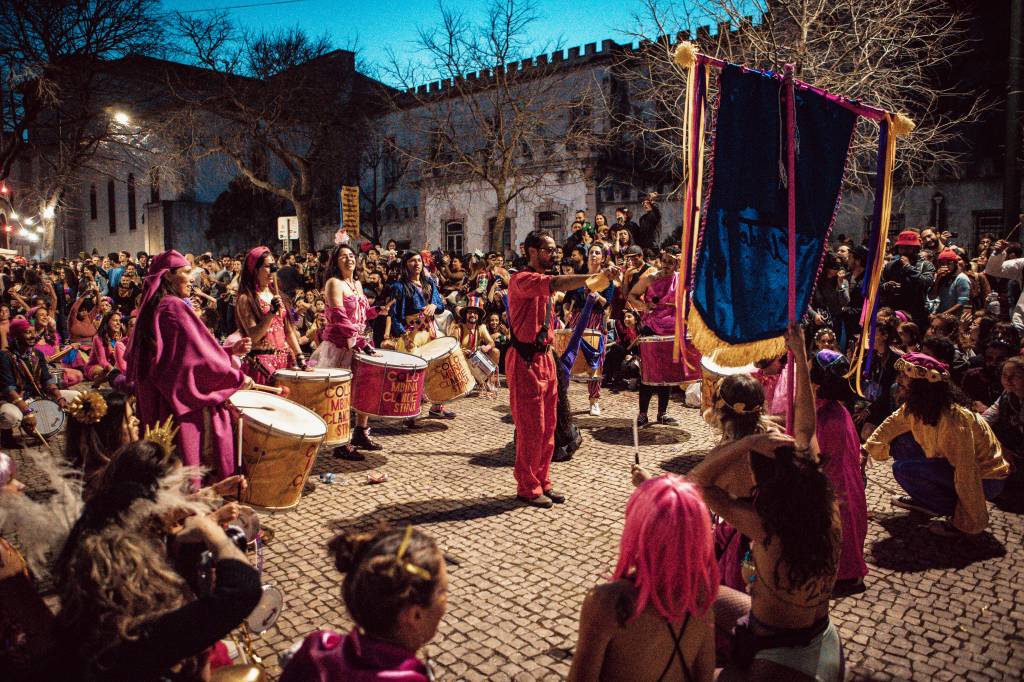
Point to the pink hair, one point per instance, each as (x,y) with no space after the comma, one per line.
(667,549)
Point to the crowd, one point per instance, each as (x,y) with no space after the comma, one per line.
(731,566)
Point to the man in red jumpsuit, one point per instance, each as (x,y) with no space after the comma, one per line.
(530,367)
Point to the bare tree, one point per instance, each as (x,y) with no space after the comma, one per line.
(54,94)
(891,55)
(498,117)
(278,105)
(381,170)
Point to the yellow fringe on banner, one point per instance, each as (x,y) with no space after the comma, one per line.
(727,354)
(899,125)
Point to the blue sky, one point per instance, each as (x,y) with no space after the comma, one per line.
(393,23)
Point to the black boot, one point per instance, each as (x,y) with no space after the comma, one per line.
(9,440)
(361,440)
(348,452)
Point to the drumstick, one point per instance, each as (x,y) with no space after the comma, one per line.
(636,442)
(238,455)
(276,390)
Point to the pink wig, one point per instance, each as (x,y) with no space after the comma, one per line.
(667,549)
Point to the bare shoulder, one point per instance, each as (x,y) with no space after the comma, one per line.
(605,600)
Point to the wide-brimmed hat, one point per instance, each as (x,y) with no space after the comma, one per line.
(922,366)
(908,238)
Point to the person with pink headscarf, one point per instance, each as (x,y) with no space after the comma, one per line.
(176,368)
(653,620)
(262,315)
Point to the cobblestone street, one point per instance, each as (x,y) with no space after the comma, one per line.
(933,610)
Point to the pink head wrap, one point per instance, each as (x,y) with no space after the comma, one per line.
(247,279)
(19,326)
(160,264)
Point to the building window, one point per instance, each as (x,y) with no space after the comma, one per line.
(154,185)
(506,236)
(987,223)
(131,202)
(897,221)
(453,237)
(551,221)
(111,207)
(93,208)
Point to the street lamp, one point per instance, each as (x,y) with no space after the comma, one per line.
(48,212)
(30,221)
(14,215)
(122,118)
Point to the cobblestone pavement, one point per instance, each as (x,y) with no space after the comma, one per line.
(934,609)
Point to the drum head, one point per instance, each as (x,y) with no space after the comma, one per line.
(278,414)
(438,348)
(49,417)
(317,374)
(391,358)
(267,610)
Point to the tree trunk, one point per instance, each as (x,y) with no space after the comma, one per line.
(499,220)
(304,214)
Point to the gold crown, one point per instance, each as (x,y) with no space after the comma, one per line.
(163,433)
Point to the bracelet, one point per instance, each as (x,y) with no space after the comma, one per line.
(27,411)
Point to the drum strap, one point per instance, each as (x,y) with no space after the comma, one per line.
(25,372)
(568,358)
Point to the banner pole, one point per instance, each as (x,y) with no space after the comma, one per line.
(789,94)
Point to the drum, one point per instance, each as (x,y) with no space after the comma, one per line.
(388,384)
(267,610)
(657,367)
(481,366)
(711,372)
(280,440)
(581,371)
(326,391)
(448,374)
(50,419)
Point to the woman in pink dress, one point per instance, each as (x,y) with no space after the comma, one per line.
(654,295)
(840,448)
(107,348)
(263,316)
(348,311)
(49,344)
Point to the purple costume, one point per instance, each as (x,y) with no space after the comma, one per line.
(188,376)
(328,657)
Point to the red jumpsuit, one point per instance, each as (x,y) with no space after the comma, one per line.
(533,385)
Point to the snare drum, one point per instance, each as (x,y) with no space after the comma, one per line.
(481,366)
(388,384)
(50,419)
(711,372)
(657,367)
(581,371)
(280,440)
(326,391)
(448,374)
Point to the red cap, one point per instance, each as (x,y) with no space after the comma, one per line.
(908,238)
(948,254)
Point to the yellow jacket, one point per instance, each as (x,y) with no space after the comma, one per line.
(966,441)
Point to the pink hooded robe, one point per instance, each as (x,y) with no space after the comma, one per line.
(190,376)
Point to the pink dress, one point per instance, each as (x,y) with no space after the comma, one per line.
(344,332)
(272,352)
(49,344)
(661,295)
(104,356)
(838,442)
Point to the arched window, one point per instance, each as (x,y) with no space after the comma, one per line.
(131,202)
(154,185)
(111,207)
(454,234)
(93,208)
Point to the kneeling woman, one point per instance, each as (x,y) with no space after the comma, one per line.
(396,591)
(347,313)
(654,620)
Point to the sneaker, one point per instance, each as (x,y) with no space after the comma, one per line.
(595,410)
(642,421)
(440,413)
(847,587)
(348,453)
(554,496)
(361,439)
(667,420)
(945,529)
(542,501)
(410,423)
(309,487)
(910,504)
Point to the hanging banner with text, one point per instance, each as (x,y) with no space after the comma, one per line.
(350,211)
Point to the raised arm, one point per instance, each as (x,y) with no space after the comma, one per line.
(804,413)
